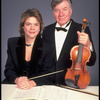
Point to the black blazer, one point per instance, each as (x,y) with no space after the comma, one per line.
(16,58)
(64,61)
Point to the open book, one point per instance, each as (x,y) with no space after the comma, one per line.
(40,93)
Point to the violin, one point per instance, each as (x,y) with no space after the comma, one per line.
(77,76)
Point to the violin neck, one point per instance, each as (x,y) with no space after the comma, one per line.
(79,56)
(80,50)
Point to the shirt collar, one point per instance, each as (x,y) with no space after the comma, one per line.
(64,26)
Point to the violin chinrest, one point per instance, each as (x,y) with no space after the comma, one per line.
(70,83)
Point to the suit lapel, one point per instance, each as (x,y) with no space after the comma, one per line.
(70,36)
(50,36)
(53,42)
(20,51)
(36,49)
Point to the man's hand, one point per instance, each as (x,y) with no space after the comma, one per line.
(83,38)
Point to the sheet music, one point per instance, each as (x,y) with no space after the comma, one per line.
(40,93)
(55,93)
(30,94)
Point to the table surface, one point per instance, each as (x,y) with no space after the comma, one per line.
(7,89)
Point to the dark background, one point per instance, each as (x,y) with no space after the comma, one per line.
(11,11)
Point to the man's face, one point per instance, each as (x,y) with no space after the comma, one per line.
(62,13)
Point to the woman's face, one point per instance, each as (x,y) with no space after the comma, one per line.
(31,27)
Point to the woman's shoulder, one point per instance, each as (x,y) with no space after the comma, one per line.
(14,40)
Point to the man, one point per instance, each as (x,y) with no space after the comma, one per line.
(58,43)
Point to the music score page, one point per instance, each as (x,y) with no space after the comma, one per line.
(40,93)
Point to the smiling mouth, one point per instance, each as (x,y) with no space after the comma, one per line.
(32,32)
(61,18)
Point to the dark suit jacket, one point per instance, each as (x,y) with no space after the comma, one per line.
(64,61)
(16,58)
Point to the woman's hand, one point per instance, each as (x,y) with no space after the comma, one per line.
(24,83)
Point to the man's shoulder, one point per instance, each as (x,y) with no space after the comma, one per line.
(76,23)
(50,26)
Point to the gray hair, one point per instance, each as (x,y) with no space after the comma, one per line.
(56,2)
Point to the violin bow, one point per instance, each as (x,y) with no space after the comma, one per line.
(46,74)
(78,90)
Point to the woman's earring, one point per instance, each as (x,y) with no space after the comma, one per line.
(23,29)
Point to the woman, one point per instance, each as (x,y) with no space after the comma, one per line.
(24,51)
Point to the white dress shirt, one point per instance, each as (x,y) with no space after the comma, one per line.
(60,38)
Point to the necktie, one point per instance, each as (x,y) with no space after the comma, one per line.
(63,29)
(60,28)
